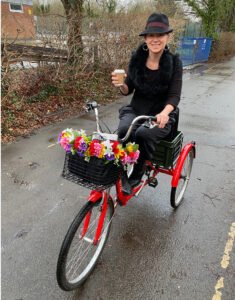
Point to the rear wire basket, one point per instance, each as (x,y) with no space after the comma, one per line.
(167,152)
(95,174)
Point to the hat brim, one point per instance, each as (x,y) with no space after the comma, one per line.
(155,30)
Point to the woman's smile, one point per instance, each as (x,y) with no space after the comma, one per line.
(156,42)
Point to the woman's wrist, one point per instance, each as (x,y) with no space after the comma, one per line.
(168,109)
(123,89)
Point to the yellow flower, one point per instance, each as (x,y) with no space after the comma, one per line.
(87,153)
(119,153)
(129,147)
(86,139)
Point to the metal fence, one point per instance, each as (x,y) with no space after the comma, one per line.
(194,50)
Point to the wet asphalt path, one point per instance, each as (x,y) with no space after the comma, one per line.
(153,252)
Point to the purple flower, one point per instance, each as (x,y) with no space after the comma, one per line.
(67,148)
(83,146)
(80,153)
(110,157)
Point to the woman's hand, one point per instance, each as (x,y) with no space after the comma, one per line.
(163,116)
(123,87)
(162,119)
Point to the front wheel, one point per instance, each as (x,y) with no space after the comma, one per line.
(177,193)
(78,254)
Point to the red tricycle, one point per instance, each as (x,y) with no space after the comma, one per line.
(88,233)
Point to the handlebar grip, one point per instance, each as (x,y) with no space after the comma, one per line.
(91,105)
(153,118)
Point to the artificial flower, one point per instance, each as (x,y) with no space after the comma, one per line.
(77,141)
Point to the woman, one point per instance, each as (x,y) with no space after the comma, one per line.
(155,76)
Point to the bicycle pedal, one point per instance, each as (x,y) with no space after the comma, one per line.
(153,182)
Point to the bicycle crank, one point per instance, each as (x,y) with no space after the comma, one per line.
(153,182)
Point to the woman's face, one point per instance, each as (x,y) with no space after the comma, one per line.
(156,42)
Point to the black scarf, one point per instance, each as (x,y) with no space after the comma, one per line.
(137,71)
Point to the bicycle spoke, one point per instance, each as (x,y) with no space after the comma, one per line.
(75,266)
(178,192)
(78,254)
(79,262)
(76,261)
(71,261)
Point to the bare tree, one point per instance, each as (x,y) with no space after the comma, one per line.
(74,13)
(108,5)
(168,7)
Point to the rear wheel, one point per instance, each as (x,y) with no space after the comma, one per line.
(177,193)
(78,255)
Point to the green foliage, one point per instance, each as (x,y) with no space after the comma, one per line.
(226,15)
(46,91)
(208,13)
(216,15)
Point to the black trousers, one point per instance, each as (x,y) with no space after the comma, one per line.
(146,138)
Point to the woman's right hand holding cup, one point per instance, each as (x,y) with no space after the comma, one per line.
(118,77)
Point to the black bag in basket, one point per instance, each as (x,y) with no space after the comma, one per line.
(96,171)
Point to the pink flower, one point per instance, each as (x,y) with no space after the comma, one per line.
(124,159)
(131,158)
(95,148)
(64,142)
(135,155)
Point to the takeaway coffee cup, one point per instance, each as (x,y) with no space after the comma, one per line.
(120,76)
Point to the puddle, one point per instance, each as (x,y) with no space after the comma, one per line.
(199,70)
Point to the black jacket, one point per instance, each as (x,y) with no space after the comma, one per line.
(153,89)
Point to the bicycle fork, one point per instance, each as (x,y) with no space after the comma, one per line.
(94,197)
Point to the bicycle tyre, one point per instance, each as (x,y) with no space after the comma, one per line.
(177,193)
(66,283)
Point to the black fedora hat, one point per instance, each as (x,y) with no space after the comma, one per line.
(157,23)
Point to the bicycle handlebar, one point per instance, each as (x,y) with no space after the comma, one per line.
(149,125)
(93,105)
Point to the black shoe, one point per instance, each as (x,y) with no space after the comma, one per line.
(134,182)
(138,170)
(137,174)
(126,187)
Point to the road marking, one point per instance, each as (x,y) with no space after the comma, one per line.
(219,285)
(225,262)
(228,248)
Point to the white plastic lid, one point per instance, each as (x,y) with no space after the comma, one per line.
(119,71)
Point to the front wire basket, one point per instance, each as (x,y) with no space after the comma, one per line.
(95,174)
